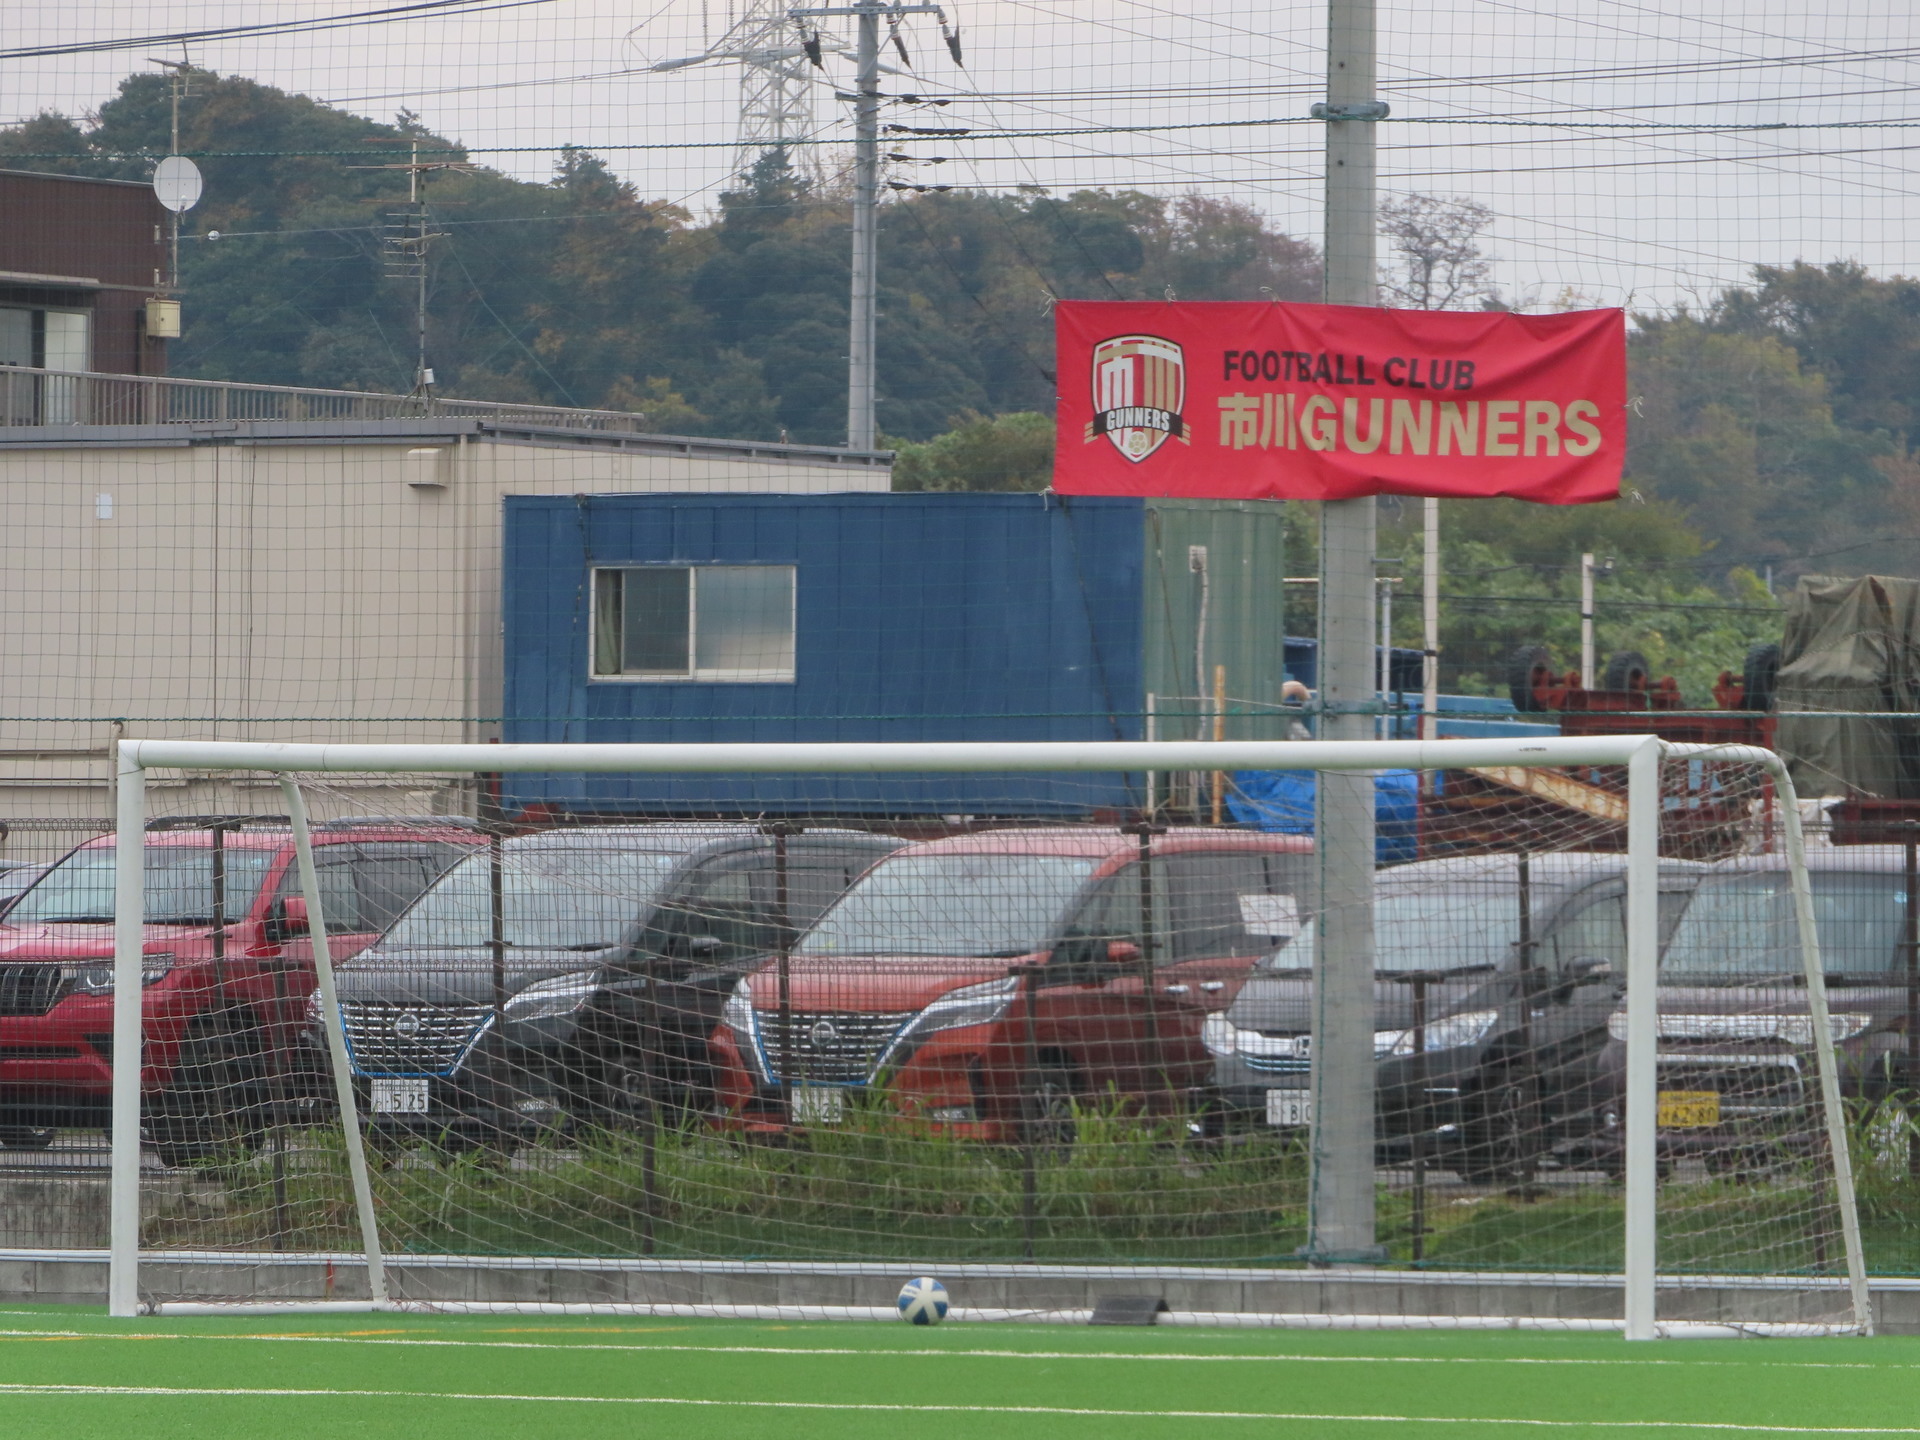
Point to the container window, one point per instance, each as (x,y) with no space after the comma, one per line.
(712,623)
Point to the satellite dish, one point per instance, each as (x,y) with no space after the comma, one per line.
(177,183)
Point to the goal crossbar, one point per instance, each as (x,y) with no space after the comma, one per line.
(1640,755)
(955,756)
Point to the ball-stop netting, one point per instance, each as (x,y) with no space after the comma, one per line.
(625,1036)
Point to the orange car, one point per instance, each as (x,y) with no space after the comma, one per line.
(989,979)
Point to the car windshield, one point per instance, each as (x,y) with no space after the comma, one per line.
(179,887)
(573,898)
(1456,927)
(1742,926)
(964,904)
(16,881)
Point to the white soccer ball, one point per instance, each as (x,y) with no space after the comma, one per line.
(923,1301)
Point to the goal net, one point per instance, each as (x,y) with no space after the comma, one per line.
(1599,1040)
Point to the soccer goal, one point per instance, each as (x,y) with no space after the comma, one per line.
(1078,1028)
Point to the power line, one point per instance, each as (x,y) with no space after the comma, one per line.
(978,135)
(421,9)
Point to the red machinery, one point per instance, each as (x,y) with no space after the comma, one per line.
(1504,808)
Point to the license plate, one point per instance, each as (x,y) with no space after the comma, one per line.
(1688,1109)
(1290,1107)
(400,1096)
(818,1104)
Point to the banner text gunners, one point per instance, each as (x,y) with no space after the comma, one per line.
(1291,421)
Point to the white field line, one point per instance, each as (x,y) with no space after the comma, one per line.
(644,1347)
(896,1408)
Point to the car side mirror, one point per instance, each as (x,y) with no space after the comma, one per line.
(1122,952)
(287,919)
(699,944)
(1076,960)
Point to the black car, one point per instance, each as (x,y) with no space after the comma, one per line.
(594,993)
(1735,1053)
(1494,981)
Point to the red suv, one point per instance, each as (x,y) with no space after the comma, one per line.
(992,979)
(224,1004)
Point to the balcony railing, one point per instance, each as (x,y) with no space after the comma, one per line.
(78,397)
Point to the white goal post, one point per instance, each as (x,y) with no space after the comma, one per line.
(1642,758)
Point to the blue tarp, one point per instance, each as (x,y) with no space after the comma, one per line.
(1282,801)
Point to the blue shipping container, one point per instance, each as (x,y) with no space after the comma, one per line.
(915,617)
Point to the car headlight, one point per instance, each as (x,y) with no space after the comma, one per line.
(739,1017)
(1449,1032)
(1223,1037)
(552,998)
(1845,1024)
(737,1014)
(1217,1033)
(97,979)
(1735,1029)
(969,1005)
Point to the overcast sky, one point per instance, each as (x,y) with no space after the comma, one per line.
(1501,102)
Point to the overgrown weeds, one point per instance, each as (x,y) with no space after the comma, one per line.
(1129,1188)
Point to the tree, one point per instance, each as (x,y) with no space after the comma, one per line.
(1511,577)
(981,452)
(1738,433)
(581,290)
(1860,333)
(1439,263)
(1205,248)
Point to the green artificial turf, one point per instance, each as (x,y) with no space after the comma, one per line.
(423,1378)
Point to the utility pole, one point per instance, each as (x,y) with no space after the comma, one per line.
(179,77)
(1384,726)
(1586,622)
(1430,623)
(866,198)
(866,192)
(422,375)
(404,240)
(1340,1205)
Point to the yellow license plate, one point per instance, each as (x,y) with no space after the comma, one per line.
(1688,1109)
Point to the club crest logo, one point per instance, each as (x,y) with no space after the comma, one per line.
(1139,389)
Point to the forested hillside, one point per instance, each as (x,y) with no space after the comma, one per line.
(1770,427)
(585,291)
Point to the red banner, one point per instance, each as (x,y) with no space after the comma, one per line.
(1270,401)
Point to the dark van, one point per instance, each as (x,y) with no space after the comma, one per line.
(1494,981)
(1735,1056)
(616,947)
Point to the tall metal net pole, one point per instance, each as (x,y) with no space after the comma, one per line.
(129,958)
(866,188)
(1340,1216)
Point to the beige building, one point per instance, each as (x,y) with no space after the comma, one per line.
(229,561)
